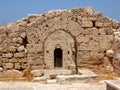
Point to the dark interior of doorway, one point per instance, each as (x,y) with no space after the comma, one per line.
(58,58)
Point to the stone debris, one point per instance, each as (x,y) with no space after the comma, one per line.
(56,76)
(53,73)
(39,79)
(62,79)
(37,73)
(85,75)
(53,81)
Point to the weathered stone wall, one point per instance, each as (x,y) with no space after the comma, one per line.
(12,46)
(24,42)
(116,48)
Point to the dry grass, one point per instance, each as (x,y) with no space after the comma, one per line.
(27,74)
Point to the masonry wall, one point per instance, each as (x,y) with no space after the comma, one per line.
(23,42)
(13,51)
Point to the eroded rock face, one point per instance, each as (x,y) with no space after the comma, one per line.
(61,36)
(116,59)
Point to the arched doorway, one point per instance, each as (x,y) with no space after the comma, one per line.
(58,50)
(58,58)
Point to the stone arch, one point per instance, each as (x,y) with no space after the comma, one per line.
(59,40)
(51,25)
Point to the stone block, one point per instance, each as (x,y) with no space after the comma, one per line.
(47,73)
(96,55)
(13,34)
(92,18)
(99,24)
(37,73)
(87,24)
(89,46)
(93,45)
(84,56)
(102,31)
(82,46)
(14,60)
(107,24)
(33,35)
(21,29)
(76,29)
(90,31)
(19,40)
(83,39)
(109,38)
(1,48)
(69,79)
(21,48)
(12,48)
(23,60)
(52,81)
(17,66)
(87,31)
(23,65)
(109,53)
(14,40)
(19,55)
(35,48)
(106,42)
(8,65)
(39,79)
(13,27)
(37,61)
(7,55)
(1,69)
(23,35)
(5,60)
(84,18)
(94,31)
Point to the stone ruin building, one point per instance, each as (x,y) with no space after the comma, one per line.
(61,39)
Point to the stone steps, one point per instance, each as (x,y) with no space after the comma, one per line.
(47,73)
(70,79)
(85,76)
(66,77)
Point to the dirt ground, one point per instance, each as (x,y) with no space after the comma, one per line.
(26,85)
(38,86)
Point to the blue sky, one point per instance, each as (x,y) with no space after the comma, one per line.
(12,10)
